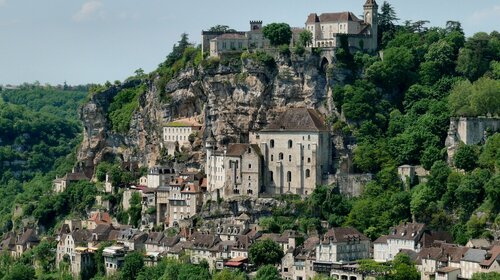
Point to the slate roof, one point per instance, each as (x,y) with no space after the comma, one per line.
(406,231)
(474,255)
(298,119)
(28,236)
(332,17)
(237,149)
(343,234)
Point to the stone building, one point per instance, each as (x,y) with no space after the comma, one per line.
(327,28)
(341,245)
(176,134)
(185,200)
(297,152)
(219,43)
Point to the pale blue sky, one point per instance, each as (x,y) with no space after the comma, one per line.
(85,41)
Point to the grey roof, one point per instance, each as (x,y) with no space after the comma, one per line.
(474,255)
(298,119)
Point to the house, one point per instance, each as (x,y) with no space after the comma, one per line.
(8,244)
(160,176)
(132,239)
(98,218)
(403,236)
(297,152)
(443,256)
(178,132)
(25,241)
(113,258)
(60,184)
(328,28)
(204,247)
(304,257)
(340,246)
(185,200)
(230,231)
(66,247)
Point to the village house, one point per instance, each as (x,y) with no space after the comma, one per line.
(176,134)
(327,28)
(204,247)
(59,185)
(113,258)
(341,245)
(132,239)
(66,247)
(25,241)
(303,259)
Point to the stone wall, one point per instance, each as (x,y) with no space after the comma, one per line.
(352,185)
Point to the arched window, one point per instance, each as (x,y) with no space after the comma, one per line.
(290,143)
(249,166)
(308,173)
(271,143)
(308,160)
(289,176)
(308,137)
(281,156)
(290,158)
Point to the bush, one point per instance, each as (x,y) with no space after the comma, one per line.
(284,50)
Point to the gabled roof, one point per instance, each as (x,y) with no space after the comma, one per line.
(28,236)
(298,119)
(343,234)
(494,254)
(406,231)
(237,149)
(332,17)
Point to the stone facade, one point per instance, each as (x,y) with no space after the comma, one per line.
(220,43)
(176,133)
(297,152)
(342,245)
(327,28)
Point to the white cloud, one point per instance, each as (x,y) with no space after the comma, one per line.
(485,15)
(87,10)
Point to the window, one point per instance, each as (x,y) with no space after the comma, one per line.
(289,176)
(290,144)
(290,158)
(249,166)
(272,157)
(308,146)
(249,150)
(308,160)
(271,143)
(308,173)
(281,156)
(271,176)
(308,137)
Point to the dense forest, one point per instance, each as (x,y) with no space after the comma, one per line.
(39,134)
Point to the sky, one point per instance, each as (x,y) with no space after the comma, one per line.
(93,41)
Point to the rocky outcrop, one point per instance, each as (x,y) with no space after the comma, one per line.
(232,102)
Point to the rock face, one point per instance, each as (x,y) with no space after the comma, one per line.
(232,101)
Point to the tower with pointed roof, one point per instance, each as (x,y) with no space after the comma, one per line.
(371,17)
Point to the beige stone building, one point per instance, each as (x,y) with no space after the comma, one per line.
(327,28)
(297,152)
(220,43)
(176,133)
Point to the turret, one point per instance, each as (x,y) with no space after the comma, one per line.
(371,17)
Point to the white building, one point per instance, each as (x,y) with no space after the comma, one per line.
(178,132)
(405,236)
(341,245)
(328,27)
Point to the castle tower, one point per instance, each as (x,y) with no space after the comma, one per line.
(255,25)
(371,17)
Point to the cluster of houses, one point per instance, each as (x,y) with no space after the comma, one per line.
(334,253)
(326,30)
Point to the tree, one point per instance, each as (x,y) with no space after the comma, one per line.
(221,28)
(227,274)
(20,272)
(265,252)
(404,269)
(466,157)
(268,272)
(305,38)
(386,27)
(486,276)
(44,255)
(278,33)
(132,265)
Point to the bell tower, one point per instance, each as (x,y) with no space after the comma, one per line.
(371,17)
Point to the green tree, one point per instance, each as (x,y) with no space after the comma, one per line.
(386,23)
(466,157)
(268,272)
(20,272)
(227,274)
(265,252)
(132,265)
(278,33)
(486,276)
(44,255)
(404,269)
(221,28)
(305,38)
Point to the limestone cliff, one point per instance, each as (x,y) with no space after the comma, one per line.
(230,100)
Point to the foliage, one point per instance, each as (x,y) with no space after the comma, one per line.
(466,157)
(20,272)
(227,274)
(268,272)
(485,276)
(132,265)
(134,212)
(278,33)
(480,98)
(261,58)
(305,38)
(265,252)
(123,106)
(221,28)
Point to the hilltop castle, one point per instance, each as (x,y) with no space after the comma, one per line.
(327,29)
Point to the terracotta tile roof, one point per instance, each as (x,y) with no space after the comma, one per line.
(447,269)
(494,254)
(343,234)
(100,218)
(298,119)
(186,122)
(191,188)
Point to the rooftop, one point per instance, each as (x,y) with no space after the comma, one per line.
(298,119)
